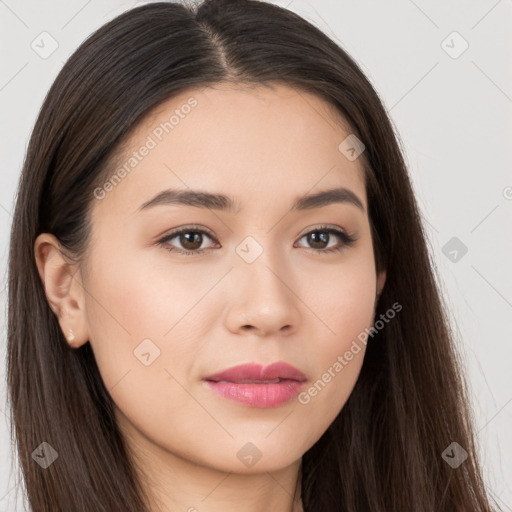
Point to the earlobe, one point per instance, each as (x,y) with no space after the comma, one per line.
(70,336)
(63,288)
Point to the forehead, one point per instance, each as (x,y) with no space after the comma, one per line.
(252,142)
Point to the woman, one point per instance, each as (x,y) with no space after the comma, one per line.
(231,301)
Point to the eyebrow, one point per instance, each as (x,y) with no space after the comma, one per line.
(223,202)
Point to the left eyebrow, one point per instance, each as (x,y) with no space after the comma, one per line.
(223,202)
(327,197)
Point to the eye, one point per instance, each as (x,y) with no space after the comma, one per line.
(322,235)
(190,238)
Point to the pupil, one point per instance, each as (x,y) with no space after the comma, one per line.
(319,237)
(189,239)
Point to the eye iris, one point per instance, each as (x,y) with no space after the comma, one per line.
(190,240)
(321,237)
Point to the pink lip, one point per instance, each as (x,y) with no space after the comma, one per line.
(258,386)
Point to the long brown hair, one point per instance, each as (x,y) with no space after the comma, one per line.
(384,450)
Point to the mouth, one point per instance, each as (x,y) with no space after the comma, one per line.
(249,381)
(257,386)
(256,373)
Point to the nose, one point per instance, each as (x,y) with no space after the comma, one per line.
(262,300)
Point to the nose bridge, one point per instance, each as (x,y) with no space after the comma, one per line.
(264,294)
(260,263)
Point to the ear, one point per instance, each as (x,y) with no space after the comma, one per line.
(63,287)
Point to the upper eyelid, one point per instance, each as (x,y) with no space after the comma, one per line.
(193,228)
(187,229)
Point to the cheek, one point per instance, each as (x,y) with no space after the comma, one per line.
(139,338)
(345,305)
(124,308)
(349,311)
(146,320)
(345,299)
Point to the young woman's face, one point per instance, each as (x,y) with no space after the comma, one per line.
(261,285)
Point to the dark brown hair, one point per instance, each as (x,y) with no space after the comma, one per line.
(383,451)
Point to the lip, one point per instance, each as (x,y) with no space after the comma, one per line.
(258,386)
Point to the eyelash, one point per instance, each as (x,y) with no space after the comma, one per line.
(347,240)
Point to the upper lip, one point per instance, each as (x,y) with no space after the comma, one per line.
(257,372)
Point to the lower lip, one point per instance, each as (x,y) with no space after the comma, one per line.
(257,395)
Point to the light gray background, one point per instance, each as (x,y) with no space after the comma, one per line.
(454,118)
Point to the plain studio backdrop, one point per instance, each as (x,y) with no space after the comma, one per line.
(444,73)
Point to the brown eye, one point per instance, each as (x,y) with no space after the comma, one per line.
(191,241)
(320,238)
(188,241)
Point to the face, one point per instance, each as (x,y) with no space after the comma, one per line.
(263,282)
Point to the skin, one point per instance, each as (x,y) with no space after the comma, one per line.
(208,312)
